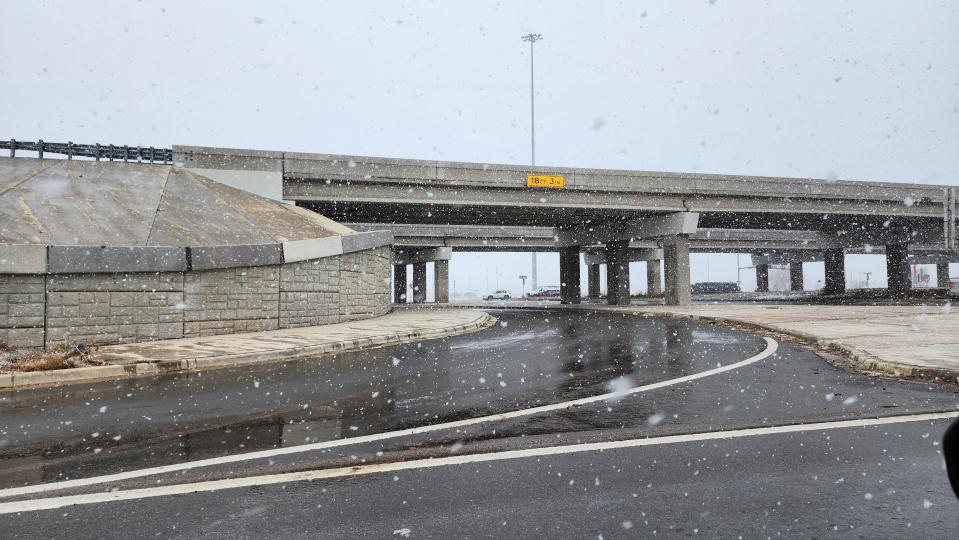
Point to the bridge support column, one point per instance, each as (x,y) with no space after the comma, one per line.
(835,262)
(762,277)
(942,274)
(898,269)
(676,262)
(399,283)
(795,276)
(569,290)
(441,280)
(592,281)
(617,273)
(654,285)
(419,282)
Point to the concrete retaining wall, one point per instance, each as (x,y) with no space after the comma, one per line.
(22,310)
(103,308)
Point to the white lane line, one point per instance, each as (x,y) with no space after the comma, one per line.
(264,480)
(771,347)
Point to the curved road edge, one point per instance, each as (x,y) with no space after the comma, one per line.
(852,357)
(195,354)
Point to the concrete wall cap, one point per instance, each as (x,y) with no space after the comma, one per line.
(313,248)
(30,259)
(366,240)
(23,259)
(112,259)
(213,257)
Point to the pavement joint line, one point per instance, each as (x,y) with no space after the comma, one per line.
(771,347)
(32,505)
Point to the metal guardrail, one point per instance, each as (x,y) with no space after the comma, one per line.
(109,152)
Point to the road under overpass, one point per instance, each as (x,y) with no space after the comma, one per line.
(609,210)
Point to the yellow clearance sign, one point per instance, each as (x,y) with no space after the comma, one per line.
(545,181)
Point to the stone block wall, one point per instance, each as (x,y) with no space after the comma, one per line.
(66,309)
(365,284)
(22,310)
(231,300)
(113,308)
(335,289)
(310,292)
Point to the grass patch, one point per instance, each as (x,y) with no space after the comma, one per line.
(33,359)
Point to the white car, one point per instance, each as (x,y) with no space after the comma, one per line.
(498,295)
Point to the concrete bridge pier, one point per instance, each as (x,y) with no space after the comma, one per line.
(795,276)
(439,256)
(835,262)
(592,281)
(441,280)
(762,276)
(676,262)
(399,283)
(654,285)
(670,228)
(419,282)
(569,289)
(793,258)
(898,268)
(652,257)
(617,273)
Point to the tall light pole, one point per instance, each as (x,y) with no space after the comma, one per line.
(532,38)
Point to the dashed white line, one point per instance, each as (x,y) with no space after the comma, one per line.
(771,347)
(264,480)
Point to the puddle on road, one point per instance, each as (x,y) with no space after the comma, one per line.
(715,338)
(503,341)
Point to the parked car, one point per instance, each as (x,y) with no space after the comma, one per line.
(714,287)
(952,287)
(544,293)
(498,295)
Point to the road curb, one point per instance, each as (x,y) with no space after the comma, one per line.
(859,359)
(35,379)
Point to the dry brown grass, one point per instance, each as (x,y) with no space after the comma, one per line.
(12,360)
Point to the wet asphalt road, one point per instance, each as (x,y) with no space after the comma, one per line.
(877,481)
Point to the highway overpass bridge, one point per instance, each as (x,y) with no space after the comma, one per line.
(613,216)
(472,206)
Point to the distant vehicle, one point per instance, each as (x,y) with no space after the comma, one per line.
(498,295)
(544,293)
(714,287)
(952,287)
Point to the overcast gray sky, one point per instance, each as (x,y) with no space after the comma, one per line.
(828,89)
